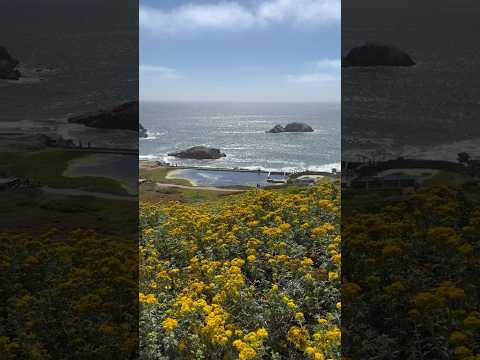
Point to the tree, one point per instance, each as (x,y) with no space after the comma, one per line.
(463,157)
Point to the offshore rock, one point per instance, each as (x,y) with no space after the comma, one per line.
(292,127)
(372,54)
(199,153)
(8,66)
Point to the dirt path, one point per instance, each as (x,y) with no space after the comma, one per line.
(76,192)
(210,188)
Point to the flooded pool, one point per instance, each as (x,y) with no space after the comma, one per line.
(123,168)
(201,177)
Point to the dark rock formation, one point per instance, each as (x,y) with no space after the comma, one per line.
(124,116)
(277,129)
(142,132)
(199,153)
(8,66)
(298,127)
(292,127)
(372,54)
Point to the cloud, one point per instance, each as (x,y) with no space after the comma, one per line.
(159,72)
(309,12)
(230,15)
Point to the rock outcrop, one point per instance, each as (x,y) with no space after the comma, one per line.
(8,66)
(292,127)
(372,54)
(142,132)
(277,129)
(124,116)
(199,153)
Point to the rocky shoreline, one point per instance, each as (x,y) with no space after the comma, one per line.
(153,164)
(122,117)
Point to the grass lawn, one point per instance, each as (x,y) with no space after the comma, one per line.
(160,175)
(448,178)
(149,192)
(41,211)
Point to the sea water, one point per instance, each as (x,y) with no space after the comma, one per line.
(240,130)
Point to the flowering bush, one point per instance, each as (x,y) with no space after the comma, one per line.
(257,276)
(411,278)
(68,296)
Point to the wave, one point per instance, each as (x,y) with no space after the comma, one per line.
(31,75)
(233,163)
(293,169)
(289,169)
(148,157)
(152,135)
(244,132)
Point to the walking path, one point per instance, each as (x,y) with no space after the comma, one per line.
(77,192)
(210,188)
(100,150)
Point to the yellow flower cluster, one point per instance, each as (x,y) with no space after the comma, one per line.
(233,277)
(76,288)
(169,324)
(414,260)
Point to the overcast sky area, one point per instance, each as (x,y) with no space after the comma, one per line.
(244,50)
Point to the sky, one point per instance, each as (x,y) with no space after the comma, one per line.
(240,50)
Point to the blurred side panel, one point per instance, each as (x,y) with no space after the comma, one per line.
(68,179)
(410,177)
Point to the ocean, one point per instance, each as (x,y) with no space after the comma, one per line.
(73,56)
(239,130)
(430,110)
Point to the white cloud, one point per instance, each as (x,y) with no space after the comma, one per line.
(155,71)
(230,15)
(307,12)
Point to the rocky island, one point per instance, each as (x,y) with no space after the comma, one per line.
(124,116)
(372,54)
(142,132)
(292,127)
(8,66)
(199,153)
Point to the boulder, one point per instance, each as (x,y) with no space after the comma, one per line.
(292,127)
(277,129)
(142,132)
(199,153)
(8,66)
(298,127)
(124,116)
(372,54)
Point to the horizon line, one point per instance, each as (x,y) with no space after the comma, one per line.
(244,101)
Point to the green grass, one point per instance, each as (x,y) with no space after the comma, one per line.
(41,211)
(160,175)
(149,192)
(448,178)
(47,167)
